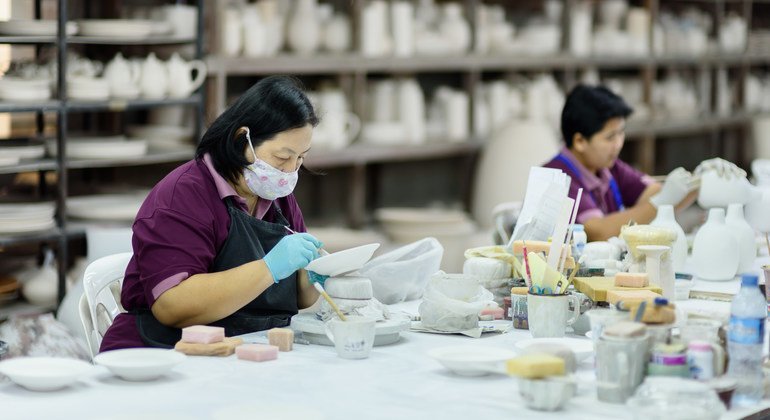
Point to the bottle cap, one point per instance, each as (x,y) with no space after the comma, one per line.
(749,280)
(661,301)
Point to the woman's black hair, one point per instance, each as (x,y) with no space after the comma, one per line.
(273,105)
(587,109)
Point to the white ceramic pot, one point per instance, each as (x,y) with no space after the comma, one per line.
(411,110)
(255,40)
(181,82)
(665,219)
(758,210)
(715,252)
(304,29)
(744,234)
(231,32)
(337,34)
(455,28)
(153,82)
(402,18)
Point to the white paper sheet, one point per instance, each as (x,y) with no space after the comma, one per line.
(546,190)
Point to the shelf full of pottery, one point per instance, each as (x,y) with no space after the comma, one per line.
(409,29)
(148,78)
(170,24)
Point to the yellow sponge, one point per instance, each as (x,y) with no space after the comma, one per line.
(536,366)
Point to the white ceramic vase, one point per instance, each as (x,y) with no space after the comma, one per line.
(255,40)
(666,219)
(304,28)
(744,234)
(411,109)
(337,34)
(756,210)
(231,32)
(455,28)
(715,252)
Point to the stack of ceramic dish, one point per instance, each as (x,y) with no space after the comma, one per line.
(112,207)
(454,229)
(123,28)
(88,88)
(24,90)
(338,238)
(26,217)
(14,151)
(34,27)
(108,147)
(163,137)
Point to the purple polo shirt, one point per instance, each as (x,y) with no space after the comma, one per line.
(180,228)
(597,199)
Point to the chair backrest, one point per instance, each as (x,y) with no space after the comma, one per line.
(102,281)
(88,324)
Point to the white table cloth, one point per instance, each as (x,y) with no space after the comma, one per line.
(396,382)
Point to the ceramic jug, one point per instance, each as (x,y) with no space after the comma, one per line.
(303,29)
(455,28)
(666,219)
(744,234)
(274,25)
(412,110)
(153,82)
(122,78)
(254,34)
(715,251)
(181,80)
(230,35)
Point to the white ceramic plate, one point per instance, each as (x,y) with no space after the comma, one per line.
(139,364)
(343,261)
(9,160)
(105,206)
(100,148)
(581,347)
(26,227)
(23,152)
(472,360)
(44,373)
(170,133)
(313,330)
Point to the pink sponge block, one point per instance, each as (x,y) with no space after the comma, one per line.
(497,313)
(203,334)
(257,352)
(632,280)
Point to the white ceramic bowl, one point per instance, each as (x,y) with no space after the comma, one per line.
(44,373)
(472,360)
(343,261)
(456,286)
(583,349)
(139,364)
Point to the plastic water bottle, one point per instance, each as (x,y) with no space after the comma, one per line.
(745,337)
(579,239)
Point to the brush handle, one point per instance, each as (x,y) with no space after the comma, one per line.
(329,300)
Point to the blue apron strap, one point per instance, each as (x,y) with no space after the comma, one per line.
(616,193)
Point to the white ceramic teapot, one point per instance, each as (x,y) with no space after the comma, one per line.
(153,82)
(181,81)
(122,77)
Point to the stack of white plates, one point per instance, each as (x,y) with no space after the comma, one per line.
(88,88)
(34,27)
(24,90)
(122,28)
(163,137)
(112,207)
(21,150)
(111,147)
(26,217)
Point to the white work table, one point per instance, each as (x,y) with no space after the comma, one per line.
(398,381)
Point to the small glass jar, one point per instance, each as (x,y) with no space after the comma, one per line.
(519,312)
(507,312)
(700,357)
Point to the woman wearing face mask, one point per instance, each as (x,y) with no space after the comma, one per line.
(211,244)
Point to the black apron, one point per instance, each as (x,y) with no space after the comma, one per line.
(248,239)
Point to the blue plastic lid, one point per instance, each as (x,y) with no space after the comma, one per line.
(577,228)
(749,280)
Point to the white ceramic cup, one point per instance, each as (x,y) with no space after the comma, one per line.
(601,318)
(549,315)
(354,338)
(620,364)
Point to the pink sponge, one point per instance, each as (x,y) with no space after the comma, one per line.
(203,334)
(497,313)
(281,337)
(257,352)
(632,280)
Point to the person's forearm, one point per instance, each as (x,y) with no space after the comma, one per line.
(603,228)
(307,295)
(209,297)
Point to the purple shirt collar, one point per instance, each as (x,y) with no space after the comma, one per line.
(590,180)
(226,190)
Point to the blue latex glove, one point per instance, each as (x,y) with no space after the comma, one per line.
(316,278)
(290,254)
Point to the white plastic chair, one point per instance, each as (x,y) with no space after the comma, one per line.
(100,303)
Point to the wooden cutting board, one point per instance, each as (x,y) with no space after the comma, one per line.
(596,287)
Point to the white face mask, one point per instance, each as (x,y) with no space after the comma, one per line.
(266,181)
